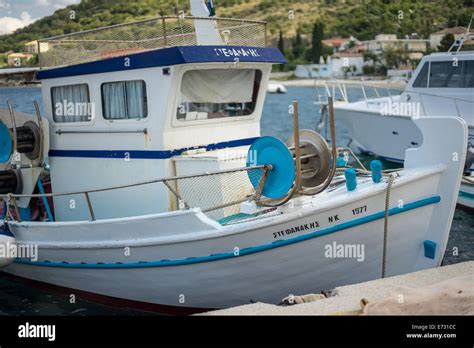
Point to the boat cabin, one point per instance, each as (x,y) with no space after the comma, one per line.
(443,84)
(123,116)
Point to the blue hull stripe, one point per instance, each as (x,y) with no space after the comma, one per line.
(246,251)
(466,195)
(144,154)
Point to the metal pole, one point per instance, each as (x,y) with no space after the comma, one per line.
(89,204)
(15,140)
(296,135)
(40,124)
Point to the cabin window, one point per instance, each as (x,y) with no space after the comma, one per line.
(71,103)
(422,78)
(124,100)
(446,74)
(468,74)
(218,93)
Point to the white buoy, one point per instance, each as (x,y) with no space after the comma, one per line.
(7,244)
(276,88)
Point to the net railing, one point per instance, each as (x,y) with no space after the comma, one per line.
(149,34)
(218,194)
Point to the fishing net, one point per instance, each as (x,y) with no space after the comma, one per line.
(128,38)
(218,195)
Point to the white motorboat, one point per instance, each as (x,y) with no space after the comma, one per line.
(442,85)
(164,196)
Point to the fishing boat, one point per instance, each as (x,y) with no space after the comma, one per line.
(442,84)
(146,182)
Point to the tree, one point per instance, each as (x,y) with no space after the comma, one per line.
(392,57)
(281,47)
(446,42)
(316,42)
(298,48)
(371,56)
(281,43)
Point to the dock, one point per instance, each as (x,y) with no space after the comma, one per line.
(347,299)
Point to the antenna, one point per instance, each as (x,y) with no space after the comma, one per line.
(459,42)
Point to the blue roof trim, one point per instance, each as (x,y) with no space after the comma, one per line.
(167,57)
(246,251)
(147,154)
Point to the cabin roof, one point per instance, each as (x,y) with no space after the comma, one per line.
(167,57)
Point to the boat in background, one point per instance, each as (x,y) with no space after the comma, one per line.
(165,196)
(442,85)
(276,88)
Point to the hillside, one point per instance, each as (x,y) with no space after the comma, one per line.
(361,18)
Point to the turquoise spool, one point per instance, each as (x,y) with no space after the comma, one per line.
(351,179)
(376,168)
(6,147)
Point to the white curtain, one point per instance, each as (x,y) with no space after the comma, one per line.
(71,103)
(124,100)
(218,86)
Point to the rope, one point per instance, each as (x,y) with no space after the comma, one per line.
(385,224)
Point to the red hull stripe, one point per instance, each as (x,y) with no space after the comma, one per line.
(110,300)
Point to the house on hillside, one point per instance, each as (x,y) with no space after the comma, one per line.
(457,32)
(340,43)
(18,59)
(32,47)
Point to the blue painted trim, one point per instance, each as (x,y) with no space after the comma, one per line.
(5,231)
(167,57)
(147,154)
(45,200)
(466,195)
(246,251)
(430,249)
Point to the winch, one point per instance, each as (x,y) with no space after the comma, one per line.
(24,144)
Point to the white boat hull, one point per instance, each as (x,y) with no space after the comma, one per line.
(184,261)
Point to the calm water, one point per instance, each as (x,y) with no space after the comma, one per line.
(18,298)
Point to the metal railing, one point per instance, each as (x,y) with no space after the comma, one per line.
(148,34)
(189,191)
(340,90)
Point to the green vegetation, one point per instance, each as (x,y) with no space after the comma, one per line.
(446,42)
(298,20)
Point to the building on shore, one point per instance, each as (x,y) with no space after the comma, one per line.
(313,71)
(414,46)
(347,64)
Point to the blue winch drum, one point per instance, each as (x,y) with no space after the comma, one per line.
(271,151)
(6,147)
